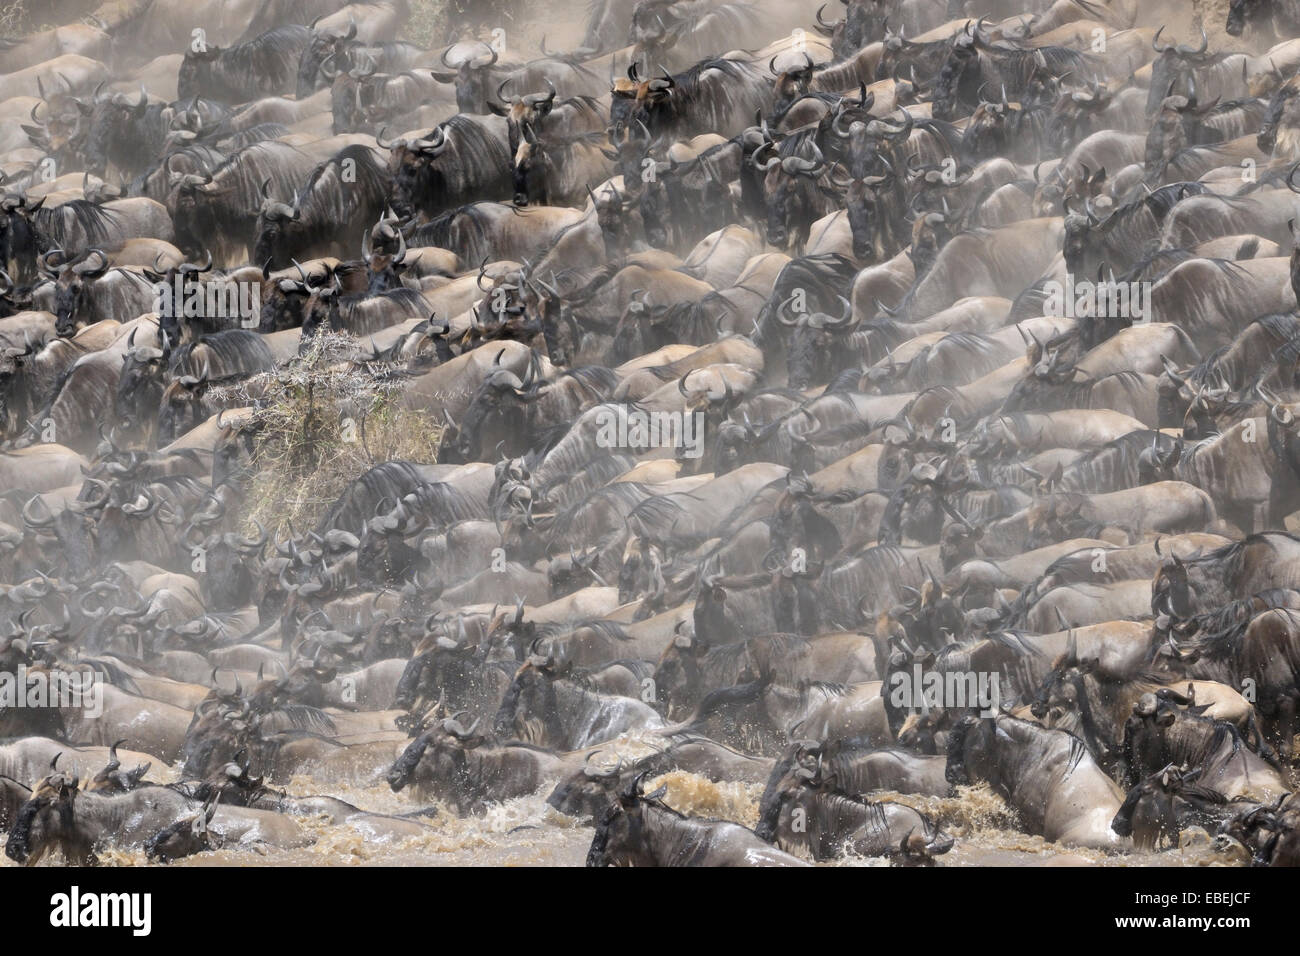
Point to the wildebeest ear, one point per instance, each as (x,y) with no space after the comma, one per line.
(719,594)
(658,794)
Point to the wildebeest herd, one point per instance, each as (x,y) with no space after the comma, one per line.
(861,405)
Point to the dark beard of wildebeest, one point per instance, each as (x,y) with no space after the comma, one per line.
(329,214)
(264,66)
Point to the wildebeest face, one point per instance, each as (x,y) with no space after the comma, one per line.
(46,822)
(196,72)
(183,838)
(781,191)
(1057,701)
(677,676)
(440,762)
(528,705)
(530,161)
(72,529)
(986,133)
(790,84)
(956,76)
(1148,813)
(589,792)
(114,120)
(1172,71)
(1169,591)
(139,388)
(620,830)
(863,218)
(1241,12)
(1078,243)
(472,79)
(72,297)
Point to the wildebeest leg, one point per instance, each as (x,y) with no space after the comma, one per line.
(1262,746)
(1286,726)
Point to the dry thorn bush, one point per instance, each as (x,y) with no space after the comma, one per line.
(319,424)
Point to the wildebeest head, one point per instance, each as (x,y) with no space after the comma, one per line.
(836,32)
(1243,13)
(472,77)
(439,761)
(791,83)
(139,387)
(989,129)
(1170,593)
(528,708)
(789,185)
(530,163)
(1173,70)
(959,76)
(284,300)
(72,286)
(383,248)
(196,71)
(1084,240)
(62,122)
(47,822)
(72,528)
(113,779)
(1077,113)
(411,163)
(115,124)
(815,337)
(185,837)
(320,48)
(348,89)
(231,561)
(678,679)
(1172,128)
(1149,813)
(620,829)
(588,792)
(530,109)
(273,216)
